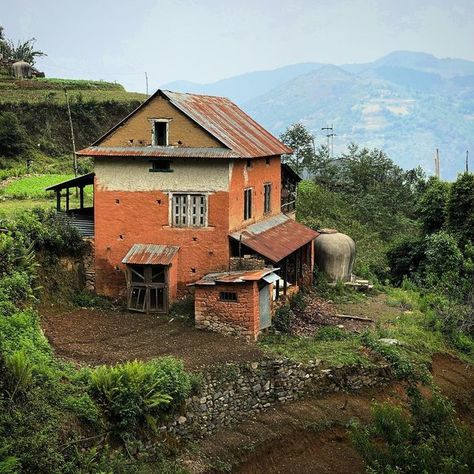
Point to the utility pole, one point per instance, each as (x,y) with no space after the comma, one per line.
(74,156)
(467,161)
(436,159)
(146,82)
(330,136)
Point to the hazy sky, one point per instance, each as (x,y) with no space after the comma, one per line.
(207,40)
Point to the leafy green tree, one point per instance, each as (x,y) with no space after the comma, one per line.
(21,51)
(460,208)
(432,205)
(13,139)
(300,140)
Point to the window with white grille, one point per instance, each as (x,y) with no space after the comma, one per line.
(189,210)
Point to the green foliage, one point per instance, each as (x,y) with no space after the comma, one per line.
(432,205)
(331,333)
(429,439)
(137,392)
(8,464)
(300,140)
(460,208)
(282,319)
(19,373)
(13,138)
(405,257)
(21,51)
(33,187)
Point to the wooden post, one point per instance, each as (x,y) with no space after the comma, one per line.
(58,200)
(277,289)
(285,277)
(67,199)
(81,197)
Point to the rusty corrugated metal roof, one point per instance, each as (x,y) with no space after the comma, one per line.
(150,254)
(221,118)
(275,238)
(229,124)
(157,152)
(234,277)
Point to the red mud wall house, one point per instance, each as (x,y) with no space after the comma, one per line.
(182,171)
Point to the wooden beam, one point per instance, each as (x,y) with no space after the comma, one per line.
(67,199)
(58,200)
(81,197)
(285,276)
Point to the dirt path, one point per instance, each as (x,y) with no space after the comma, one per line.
(106,337)
(310,436)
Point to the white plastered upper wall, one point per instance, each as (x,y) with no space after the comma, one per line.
(132,174)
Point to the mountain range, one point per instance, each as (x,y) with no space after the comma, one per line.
(406,103)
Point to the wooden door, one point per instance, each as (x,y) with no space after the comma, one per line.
(147,288)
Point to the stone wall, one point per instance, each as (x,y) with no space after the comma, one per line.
(247,262)
(231,393)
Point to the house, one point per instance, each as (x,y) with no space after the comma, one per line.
(186,186)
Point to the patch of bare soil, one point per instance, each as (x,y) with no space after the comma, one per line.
(318,312)
(105,337)
(310,435)
(373,307)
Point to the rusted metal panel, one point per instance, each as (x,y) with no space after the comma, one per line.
(229,124)
(157,152)
(150,254)
(275,238)
(235,277)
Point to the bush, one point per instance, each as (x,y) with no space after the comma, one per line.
(19,373)
(282,319)
(135,393)
(429,439)
(331,333)
(461,207)
(13,138)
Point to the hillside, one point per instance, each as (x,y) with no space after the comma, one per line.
(40,107)
(407,103)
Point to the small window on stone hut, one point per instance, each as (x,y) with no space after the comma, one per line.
(228,296)
(160,166)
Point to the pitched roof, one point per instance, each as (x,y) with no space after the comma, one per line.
(275,238)
(242,276)
(225,121)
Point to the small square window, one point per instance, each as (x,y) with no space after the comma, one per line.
(160,166)
(228,296)
(160,133)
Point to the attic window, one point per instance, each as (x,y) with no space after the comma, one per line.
(160,166)
(160,133)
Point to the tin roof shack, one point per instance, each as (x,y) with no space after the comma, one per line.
(188,172)
(237,303)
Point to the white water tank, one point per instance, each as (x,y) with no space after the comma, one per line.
(334,254)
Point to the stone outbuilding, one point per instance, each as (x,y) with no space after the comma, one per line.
(239,303)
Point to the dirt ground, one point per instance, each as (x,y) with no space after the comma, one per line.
(310,435)
(105,337)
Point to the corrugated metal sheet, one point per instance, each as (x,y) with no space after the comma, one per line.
(158,152)
(235,277)
(150,254)
(275,238)
(229,124)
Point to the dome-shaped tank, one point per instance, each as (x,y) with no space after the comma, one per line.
(22,70)
(334,254)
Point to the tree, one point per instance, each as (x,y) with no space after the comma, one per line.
(22,51)
(432,205)
(460,208)
(300,140)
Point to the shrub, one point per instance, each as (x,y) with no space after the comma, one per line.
(13,138)
(8,464)
(331,333)
(432,206)
(461,207)
(429,439)
(16,289)
(137,392)
(19,373)
(405,257)
(282,319)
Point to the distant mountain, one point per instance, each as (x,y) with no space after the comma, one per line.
(406,103)
(244,87)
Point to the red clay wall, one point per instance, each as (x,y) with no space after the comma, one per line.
(254,177)
(241,317)
(142,217)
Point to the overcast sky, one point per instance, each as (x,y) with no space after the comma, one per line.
(208,40)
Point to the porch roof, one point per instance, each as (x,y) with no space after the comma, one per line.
(78,181)
(275,238)
(150,254)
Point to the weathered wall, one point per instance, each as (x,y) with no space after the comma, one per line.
(124,218)
(232,393)
(136,131)
(132,174)
(254,177)
(227,317)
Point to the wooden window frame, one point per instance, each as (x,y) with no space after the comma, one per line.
(153,134)
(186,208)
(267,198)
(248,203)
(155,169)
